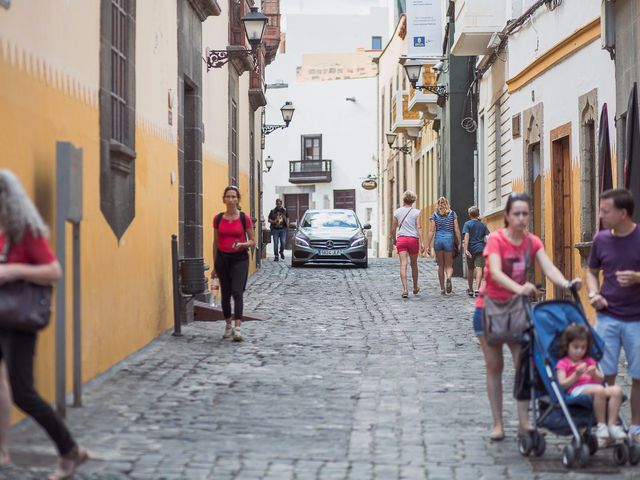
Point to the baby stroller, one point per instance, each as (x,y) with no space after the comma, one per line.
(551,408)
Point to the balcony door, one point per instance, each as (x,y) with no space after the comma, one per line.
(311,147)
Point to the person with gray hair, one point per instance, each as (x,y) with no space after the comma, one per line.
(26,255)
(406,235)
(474,234)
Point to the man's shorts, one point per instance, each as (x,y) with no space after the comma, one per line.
(476,261)
(616,334)
(411,245)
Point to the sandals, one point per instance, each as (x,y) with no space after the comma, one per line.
(449,287)
(416,291)
(405,294)
(68,464)
(496,436)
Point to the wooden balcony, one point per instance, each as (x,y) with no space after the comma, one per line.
(310,171)
(424,101)
(401,117)
(271,39)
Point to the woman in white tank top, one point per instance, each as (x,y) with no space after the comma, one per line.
(406,234)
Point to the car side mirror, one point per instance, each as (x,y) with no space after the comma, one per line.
(293,225)
(366,226)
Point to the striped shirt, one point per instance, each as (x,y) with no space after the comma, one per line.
(444,223)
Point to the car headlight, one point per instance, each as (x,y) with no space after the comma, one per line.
(359,241)
(301,241)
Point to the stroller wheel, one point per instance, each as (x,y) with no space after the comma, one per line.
(591,441)
(539,444)
(525,443)
(634,454)
(583,456)
(569,456)
(620,454)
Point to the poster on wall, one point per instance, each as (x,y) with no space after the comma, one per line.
(424,28)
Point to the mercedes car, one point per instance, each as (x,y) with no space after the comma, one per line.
(330,237)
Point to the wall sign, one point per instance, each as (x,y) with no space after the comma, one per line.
(369,184)
(424,28)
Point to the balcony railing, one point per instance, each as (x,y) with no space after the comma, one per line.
(310,171)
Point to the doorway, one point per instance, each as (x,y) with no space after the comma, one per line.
(562,208)
(296,204)
(344,199)
(537,216)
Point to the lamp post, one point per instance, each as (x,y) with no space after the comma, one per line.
(413,69)
(254,24)
(287,111)
(268,162)
(391,138)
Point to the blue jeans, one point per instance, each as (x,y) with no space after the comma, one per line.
(279,237)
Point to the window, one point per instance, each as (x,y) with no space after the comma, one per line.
(119,40)
(344,199)
(382,119)
(311,147)
(233,165)
(376,43)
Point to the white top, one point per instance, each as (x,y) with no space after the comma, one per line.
(408,227)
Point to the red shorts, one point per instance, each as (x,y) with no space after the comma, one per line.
(410,245)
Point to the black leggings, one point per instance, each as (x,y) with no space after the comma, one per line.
(17,350)
(232,270)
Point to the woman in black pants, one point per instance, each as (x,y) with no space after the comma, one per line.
(26,255)
(232,237)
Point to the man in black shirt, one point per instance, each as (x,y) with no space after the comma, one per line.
(279,219)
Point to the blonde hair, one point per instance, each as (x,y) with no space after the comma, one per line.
(409,197)
(443,206)
(17,211)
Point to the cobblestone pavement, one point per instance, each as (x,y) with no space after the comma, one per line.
(345,380)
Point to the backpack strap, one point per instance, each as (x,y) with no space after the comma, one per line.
(243,220)
(216,220)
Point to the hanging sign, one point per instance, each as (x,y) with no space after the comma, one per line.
(424,28)
(369,184)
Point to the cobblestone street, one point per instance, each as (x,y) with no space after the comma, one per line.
(345,380)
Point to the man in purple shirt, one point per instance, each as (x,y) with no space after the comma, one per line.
(616,252)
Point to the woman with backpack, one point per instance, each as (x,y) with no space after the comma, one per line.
(443,224)
(232,237)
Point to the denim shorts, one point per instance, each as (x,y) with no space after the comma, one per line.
(443,241)
(619,334)
(477,322)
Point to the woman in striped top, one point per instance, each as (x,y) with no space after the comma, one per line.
(443,224)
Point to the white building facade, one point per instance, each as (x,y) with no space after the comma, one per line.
(329,148)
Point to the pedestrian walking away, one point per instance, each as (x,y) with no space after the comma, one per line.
(406,235)
(279,221)
(443,225)
(232,237)
(615,252)
(27,256)
(474,234)
(508,255)
(578,374)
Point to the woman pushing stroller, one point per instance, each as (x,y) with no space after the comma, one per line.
(578,373)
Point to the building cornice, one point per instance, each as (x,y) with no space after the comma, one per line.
(205,8)
(556,54)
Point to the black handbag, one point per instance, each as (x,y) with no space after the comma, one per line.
(24,306)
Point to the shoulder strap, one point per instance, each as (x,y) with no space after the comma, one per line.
(529,253)
(404,218)
(243,221)
(216,221)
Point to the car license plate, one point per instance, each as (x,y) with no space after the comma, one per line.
(329,253)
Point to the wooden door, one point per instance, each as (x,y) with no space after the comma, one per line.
(562,211)
(344,199)
(296,204)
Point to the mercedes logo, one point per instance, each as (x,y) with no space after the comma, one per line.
(329,244)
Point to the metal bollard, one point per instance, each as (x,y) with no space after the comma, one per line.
(177,332)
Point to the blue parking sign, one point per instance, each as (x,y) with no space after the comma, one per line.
(419,42)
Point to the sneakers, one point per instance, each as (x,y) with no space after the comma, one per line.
(616,432)
(449,287)
(68,464)
(476,293)
(228,331)
(237,335)
(602,434)
(470,292)
(282,255)
(634,434)
(275,259)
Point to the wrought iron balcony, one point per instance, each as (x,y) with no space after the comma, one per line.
(310,171)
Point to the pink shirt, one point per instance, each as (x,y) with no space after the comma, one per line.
(568,367)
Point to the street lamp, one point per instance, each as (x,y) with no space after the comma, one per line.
(254,24)
(413,69)
(287,111)
(268,162)
(391,138)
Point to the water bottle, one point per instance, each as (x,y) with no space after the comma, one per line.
(215,290)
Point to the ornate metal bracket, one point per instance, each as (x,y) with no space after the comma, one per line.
(218,58)
(406,149)
(267,129)
(439,90)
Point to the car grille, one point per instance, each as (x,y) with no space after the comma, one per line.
(337,244)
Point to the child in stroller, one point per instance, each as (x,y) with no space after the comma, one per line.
(578,373)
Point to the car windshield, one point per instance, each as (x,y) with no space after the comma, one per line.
(330,220)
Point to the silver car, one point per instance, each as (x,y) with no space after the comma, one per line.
(330,237)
